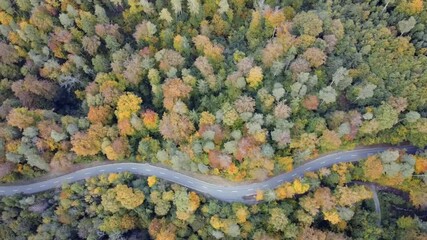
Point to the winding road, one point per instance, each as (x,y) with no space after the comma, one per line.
(224,193)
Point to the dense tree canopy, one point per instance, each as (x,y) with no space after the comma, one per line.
(241,89)
(226,87)
(125,206)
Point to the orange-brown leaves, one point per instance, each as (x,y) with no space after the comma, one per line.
(62,162)
(150,119)
(315,57)
(176,127)
(21,118)
(272,52)
(173,90)
(214,52)
(34,93)
(87,144)
(311,102)
(372,168)
(324,198)
(246,147)
(118,149)
(125,127)
(219,160)
(100,114)
(216,128)
(347,196)
(170,59)
(420,165)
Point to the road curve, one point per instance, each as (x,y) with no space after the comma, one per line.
(224,193)
(376,202)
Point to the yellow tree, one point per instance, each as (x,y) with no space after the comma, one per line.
(128,104)
(128,197)
(420,165)
(347,196)
(151,180)
(89,144)
(411,7)
(116,150)
(259,195)
(286,163)
(255,77)
(216,222)
(332,216)
(242,214)
(372,168)
(329,141)
(299,187)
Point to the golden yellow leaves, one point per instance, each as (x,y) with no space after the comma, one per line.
(206,118)
(216,222)
(151,180)
(112,177)
(150,120)
(255,77)
(299,187)
(116,150)
(288,190)
(420,165)
(372,168)
(332,216)
(87,144)
(128,104)
(194,201)
(411,7)
(128,197)
(286,163)
(5,19)
(242,214)
(259,195)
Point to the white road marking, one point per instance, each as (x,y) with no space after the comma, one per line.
(353,154)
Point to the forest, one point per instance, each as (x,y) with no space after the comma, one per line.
(327,204)
(236,88)
(242,90)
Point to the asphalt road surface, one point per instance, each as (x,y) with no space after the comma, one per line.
(224,193)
